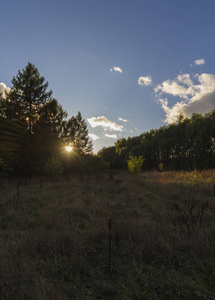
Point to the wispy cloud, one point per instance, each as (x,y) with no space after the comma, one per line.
(185,79)
(123,120)
(200,61)
(198,98)
(3,88)
(93,136)
(105,123)
(116,69)
(145,81)
(111,136)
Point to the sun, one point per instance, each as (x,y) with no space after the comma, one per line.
(68,148)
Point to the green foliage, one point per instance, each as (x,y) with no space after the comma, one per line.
(161,167)
(95,164)
(135,163)
(53,167)
(184,145)
(110,156)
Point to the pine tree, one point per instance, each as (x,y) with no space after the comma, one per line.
(52,117)
(30,122)
(76,134)
(27,97)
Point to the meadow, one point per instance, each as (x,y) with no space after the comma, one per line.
(109,236)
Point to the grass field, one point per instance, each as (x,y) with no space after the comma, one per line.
(109,236)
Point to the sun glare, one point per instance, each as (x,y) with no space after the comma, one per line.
(68,148)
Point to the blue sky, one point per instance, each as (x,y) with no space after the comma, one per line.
(127,65)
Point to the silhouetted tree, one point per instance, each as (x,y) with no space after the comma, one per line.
(76,134)
(52,117)
(27,116)
(27,97)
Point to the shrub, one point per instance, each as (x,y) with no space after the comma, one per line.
(95,164)
(135,163)
(161,167)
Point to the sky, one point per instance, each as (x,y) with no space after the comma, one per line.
(128,66)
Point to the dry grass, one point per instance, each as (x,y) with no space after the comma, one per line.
(57,241)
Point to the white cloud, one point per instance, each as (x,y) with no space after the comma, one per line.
(200,61)
(112,136)
(145,81)
(181,86)
(93,136)
(4,88)
(116,69)
(105,123)
(198,98)
(123,120)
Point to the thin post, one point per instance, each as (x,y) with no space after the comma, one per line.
(110,242)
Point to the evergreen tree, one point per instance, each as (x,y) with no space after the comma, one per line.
(76,134)
(28,115)
(27,97)
(52,117)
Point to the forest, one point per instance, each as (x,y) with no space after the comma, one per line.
(185,145)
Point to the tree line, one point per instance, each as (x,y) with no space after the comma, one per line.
(185,145)
(34,130)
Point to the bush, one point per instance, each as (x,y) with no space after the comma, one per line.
(161,167)
(53,167)
(96,164)
(135,163)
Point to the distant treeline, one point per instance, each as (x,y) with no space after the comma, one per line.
(184,145)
